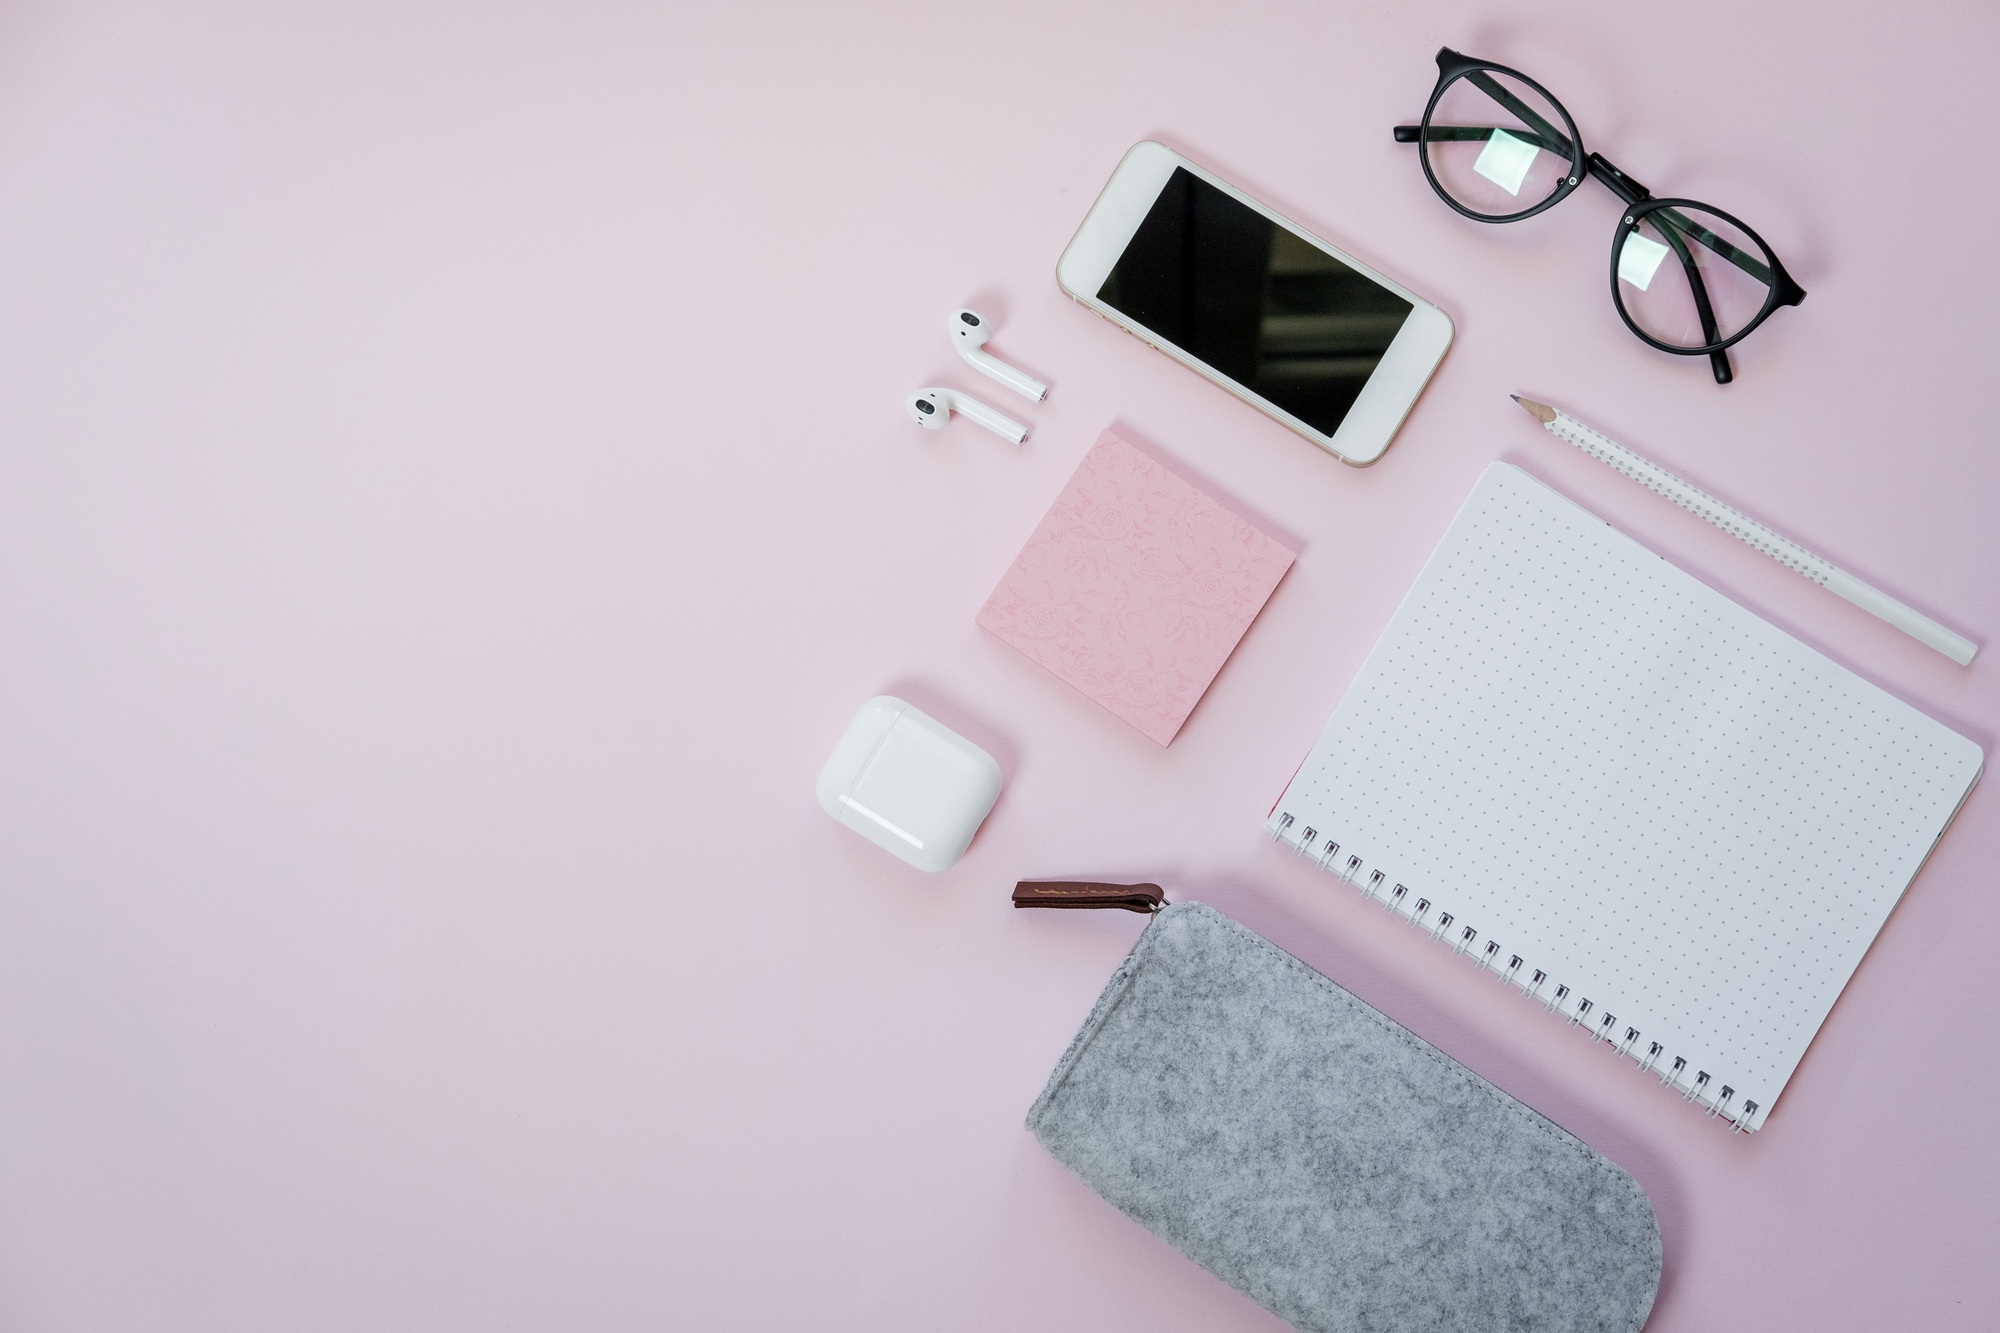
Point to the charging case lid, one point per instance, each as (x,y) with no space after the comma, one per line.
(908,783)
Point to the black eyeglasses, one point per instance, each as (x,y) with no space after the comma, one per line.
(1498,148)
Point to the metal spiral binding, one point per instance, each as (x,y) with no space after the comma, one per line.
(1376,885)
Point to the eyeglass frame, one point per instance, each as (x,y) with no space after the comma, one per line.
(1638,200)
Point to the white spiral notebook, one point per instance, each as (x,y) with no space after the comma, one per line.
(1645,807)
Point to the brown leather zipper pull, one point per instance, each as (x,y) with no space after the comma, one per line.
(1073,893)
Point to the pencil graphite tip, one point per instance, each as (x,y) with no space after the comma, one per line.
(1541,412)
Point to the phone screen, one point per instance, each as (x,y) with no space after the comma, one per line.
(1260,304)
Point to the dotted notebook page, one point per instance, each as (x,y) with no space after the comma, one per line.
(1605,768)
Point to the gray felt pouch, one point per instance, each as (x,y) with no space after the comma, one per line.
(1336,1168)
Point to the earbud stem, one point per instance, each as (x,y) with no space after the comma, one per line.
(1024,384)
(974,410)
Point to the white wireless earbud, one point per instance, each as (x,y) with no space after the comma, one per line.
(932,409)
(969,332)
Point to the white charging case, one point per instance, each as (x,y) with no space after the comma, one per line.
(909,784)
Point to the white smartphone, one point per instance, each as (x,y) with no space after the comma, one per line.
(1231,289)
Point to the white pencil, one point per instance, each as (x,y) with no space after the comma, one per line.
(1749,531)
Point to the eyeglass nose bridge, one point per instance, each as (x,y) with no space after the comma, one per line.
(1628,190)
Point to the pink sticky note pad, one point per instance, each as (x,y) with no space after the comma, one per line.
(1135,588)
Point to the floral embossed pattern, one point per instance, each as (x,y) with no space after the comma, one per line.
(1135,588)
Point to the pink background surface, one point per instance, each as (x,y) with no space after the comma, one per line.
(456,489)
(1135,587)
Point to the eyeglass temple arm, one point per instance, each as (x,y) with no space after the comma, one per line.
(1673,226)
(1673,220)
(1718,360)
(1479,134)
(1487,84)
(1542,134)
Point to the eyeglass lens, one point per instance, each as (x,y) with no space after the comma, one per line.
(1677,258)
(1496,146)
